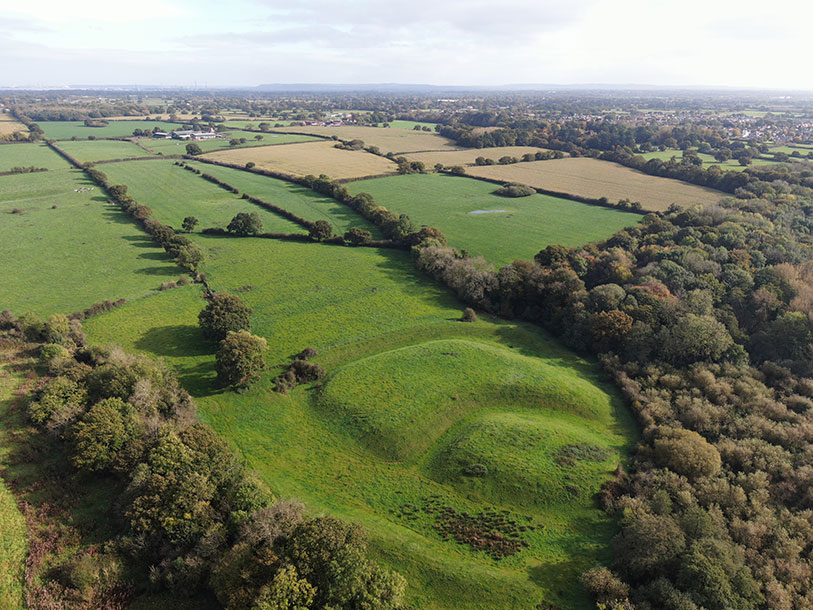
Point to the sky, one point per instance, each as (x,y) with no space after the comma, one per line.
(206,43)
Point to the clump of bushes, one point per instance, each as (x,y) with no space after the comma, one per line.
(300,371)
(469,315)
(515,189)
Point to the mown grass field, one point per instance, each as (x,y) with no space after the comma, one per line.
(82,252)
(28,154)
(178,147)
(13,542)
(87,151)
(309,158)
(504,229)
(65,130)
(302,201)
(174,193)
(383,333)
(468,156)
(411,125)
(594,178)
(386,138)
(708,160)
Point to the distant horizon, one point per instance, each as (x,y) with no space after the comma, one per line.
(395,85)
(738,44)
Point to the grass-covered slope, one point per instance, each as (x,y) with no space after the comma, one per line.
(403,400)
(501,229)
(63,250)
(372,316)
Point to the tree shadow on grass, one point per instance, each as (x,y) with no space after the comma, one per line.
(165,270)
(114,214)
(559,579)
(139,241)
(175,341)
(158,255)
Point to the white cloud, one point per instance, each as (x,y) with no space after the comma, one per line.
(725,42)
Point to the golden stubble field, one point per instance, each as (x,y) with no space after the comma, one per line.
(468,155)
(388,139)
(306,158)
(10,125)
(594,178)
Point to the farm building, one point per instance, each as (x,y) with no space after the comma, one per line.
(193,135)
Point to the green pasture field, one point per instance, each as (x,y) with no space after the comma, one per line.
(411,125)
(380,326)
(64,259)
(178,147)
(708,160)
(13,542)
(802,149)
(297,199)
(87,151)
(524,226)
(28,154)
(174,193)
(65,130)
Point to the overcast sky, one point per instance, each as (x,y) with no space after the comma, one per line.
(739,43)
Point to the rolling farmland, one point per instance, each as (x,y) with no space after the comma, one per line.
(309,158)
(593,178)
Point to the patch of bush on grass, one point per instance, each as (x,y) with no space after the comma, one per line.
(300,371)
(469,315)
(515,189)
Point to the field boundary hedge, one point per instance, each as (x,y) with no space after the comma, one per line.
(70,159)
(288,215)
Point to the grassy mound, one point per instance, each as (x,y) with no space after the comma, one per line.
(401,401)
(385,334)
(528,458)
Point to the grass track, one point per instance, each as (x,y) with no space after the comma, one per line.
(524,227)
